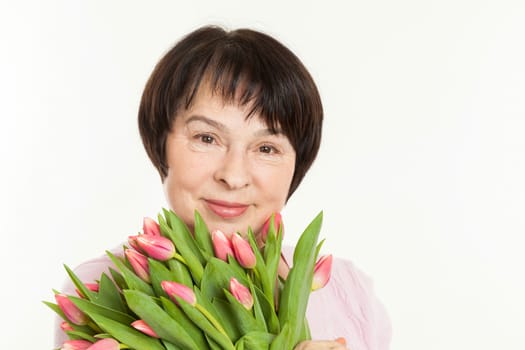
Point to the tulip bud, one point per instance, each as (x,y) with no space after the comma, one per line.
(180,290)
(156,247)
(243,252)
(139,263)
(71,311)
(221,245)
(241,293)
(277,223)
(105,344)
(66,327)
(322,271)
(144,328)
(150,227)
(76,344)
(132,240)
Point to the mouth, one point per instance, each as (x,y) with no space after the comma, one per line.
(226,210)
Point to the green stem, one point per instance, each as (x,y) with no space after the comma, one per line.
(180,258)
(95,327)
(212,319)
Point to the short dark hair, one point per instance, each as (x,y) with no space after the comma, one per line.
(242,65)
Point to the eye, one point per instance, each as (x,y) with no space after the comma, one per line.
(267,149)
(205,138)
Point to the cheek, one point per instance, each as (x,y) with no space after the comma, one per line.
(276,184)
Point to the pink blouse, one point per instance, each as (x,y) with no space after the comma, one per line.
(345,307)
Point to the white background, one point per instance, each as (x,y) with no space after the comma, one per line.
(420,176)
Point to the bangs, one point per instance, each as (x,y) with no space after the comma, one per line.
(238,76)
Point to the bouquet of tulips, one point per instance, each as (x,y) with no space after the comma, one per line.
(177,289)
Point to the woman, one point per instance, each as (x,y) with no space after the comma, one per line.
(232,121)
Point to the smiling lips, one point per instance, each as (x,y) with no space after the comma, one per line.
(226,209)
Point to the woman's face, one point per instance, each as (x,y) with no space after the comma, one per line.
(233,170)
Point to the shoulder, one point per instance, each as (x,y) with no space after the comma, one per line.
(363,316)
(348,306)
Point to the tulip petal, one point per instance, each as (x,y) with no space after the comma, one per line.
(241,293)
(322,272)
(144,328)
(243,252)
(277,223)
(222,245)
(139,263)
(76,344)
(156,247)
(176,289)
(105,344)
(150,227)
(70,310)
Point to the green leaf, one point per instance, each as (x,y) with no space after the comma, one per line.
(191,328)
(56,309)
(158,273)
(80,285)
(272,252)
(212,344)
(204,323)
(132,280)
(256,340)
(244,318)
(180,272)
(297,288)
(273,321)
(282,340)
(268,310)
(117,277)
(203,237)
(231,326)
(166,327)
(216,277)
(170,346)
(305,330)
(185,245)
(222,319)
(81,335)
(263,279)
(109,295)
(90,308)
(127,335)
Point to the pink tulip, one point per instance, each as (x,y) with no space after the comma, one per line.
(66,326)
(221,245)
(105,344)
(322,271)
(132,240)
(71,311)
(243,252)
(77,344)
(241,293)
(180,290)
(150,227)
(277,222)
(144,328)
(156,247)
(139,263)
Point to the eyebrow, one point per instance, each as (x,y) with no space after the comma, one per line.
(220,126)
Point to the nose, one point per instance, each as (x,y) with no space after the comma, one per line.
(234,170)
